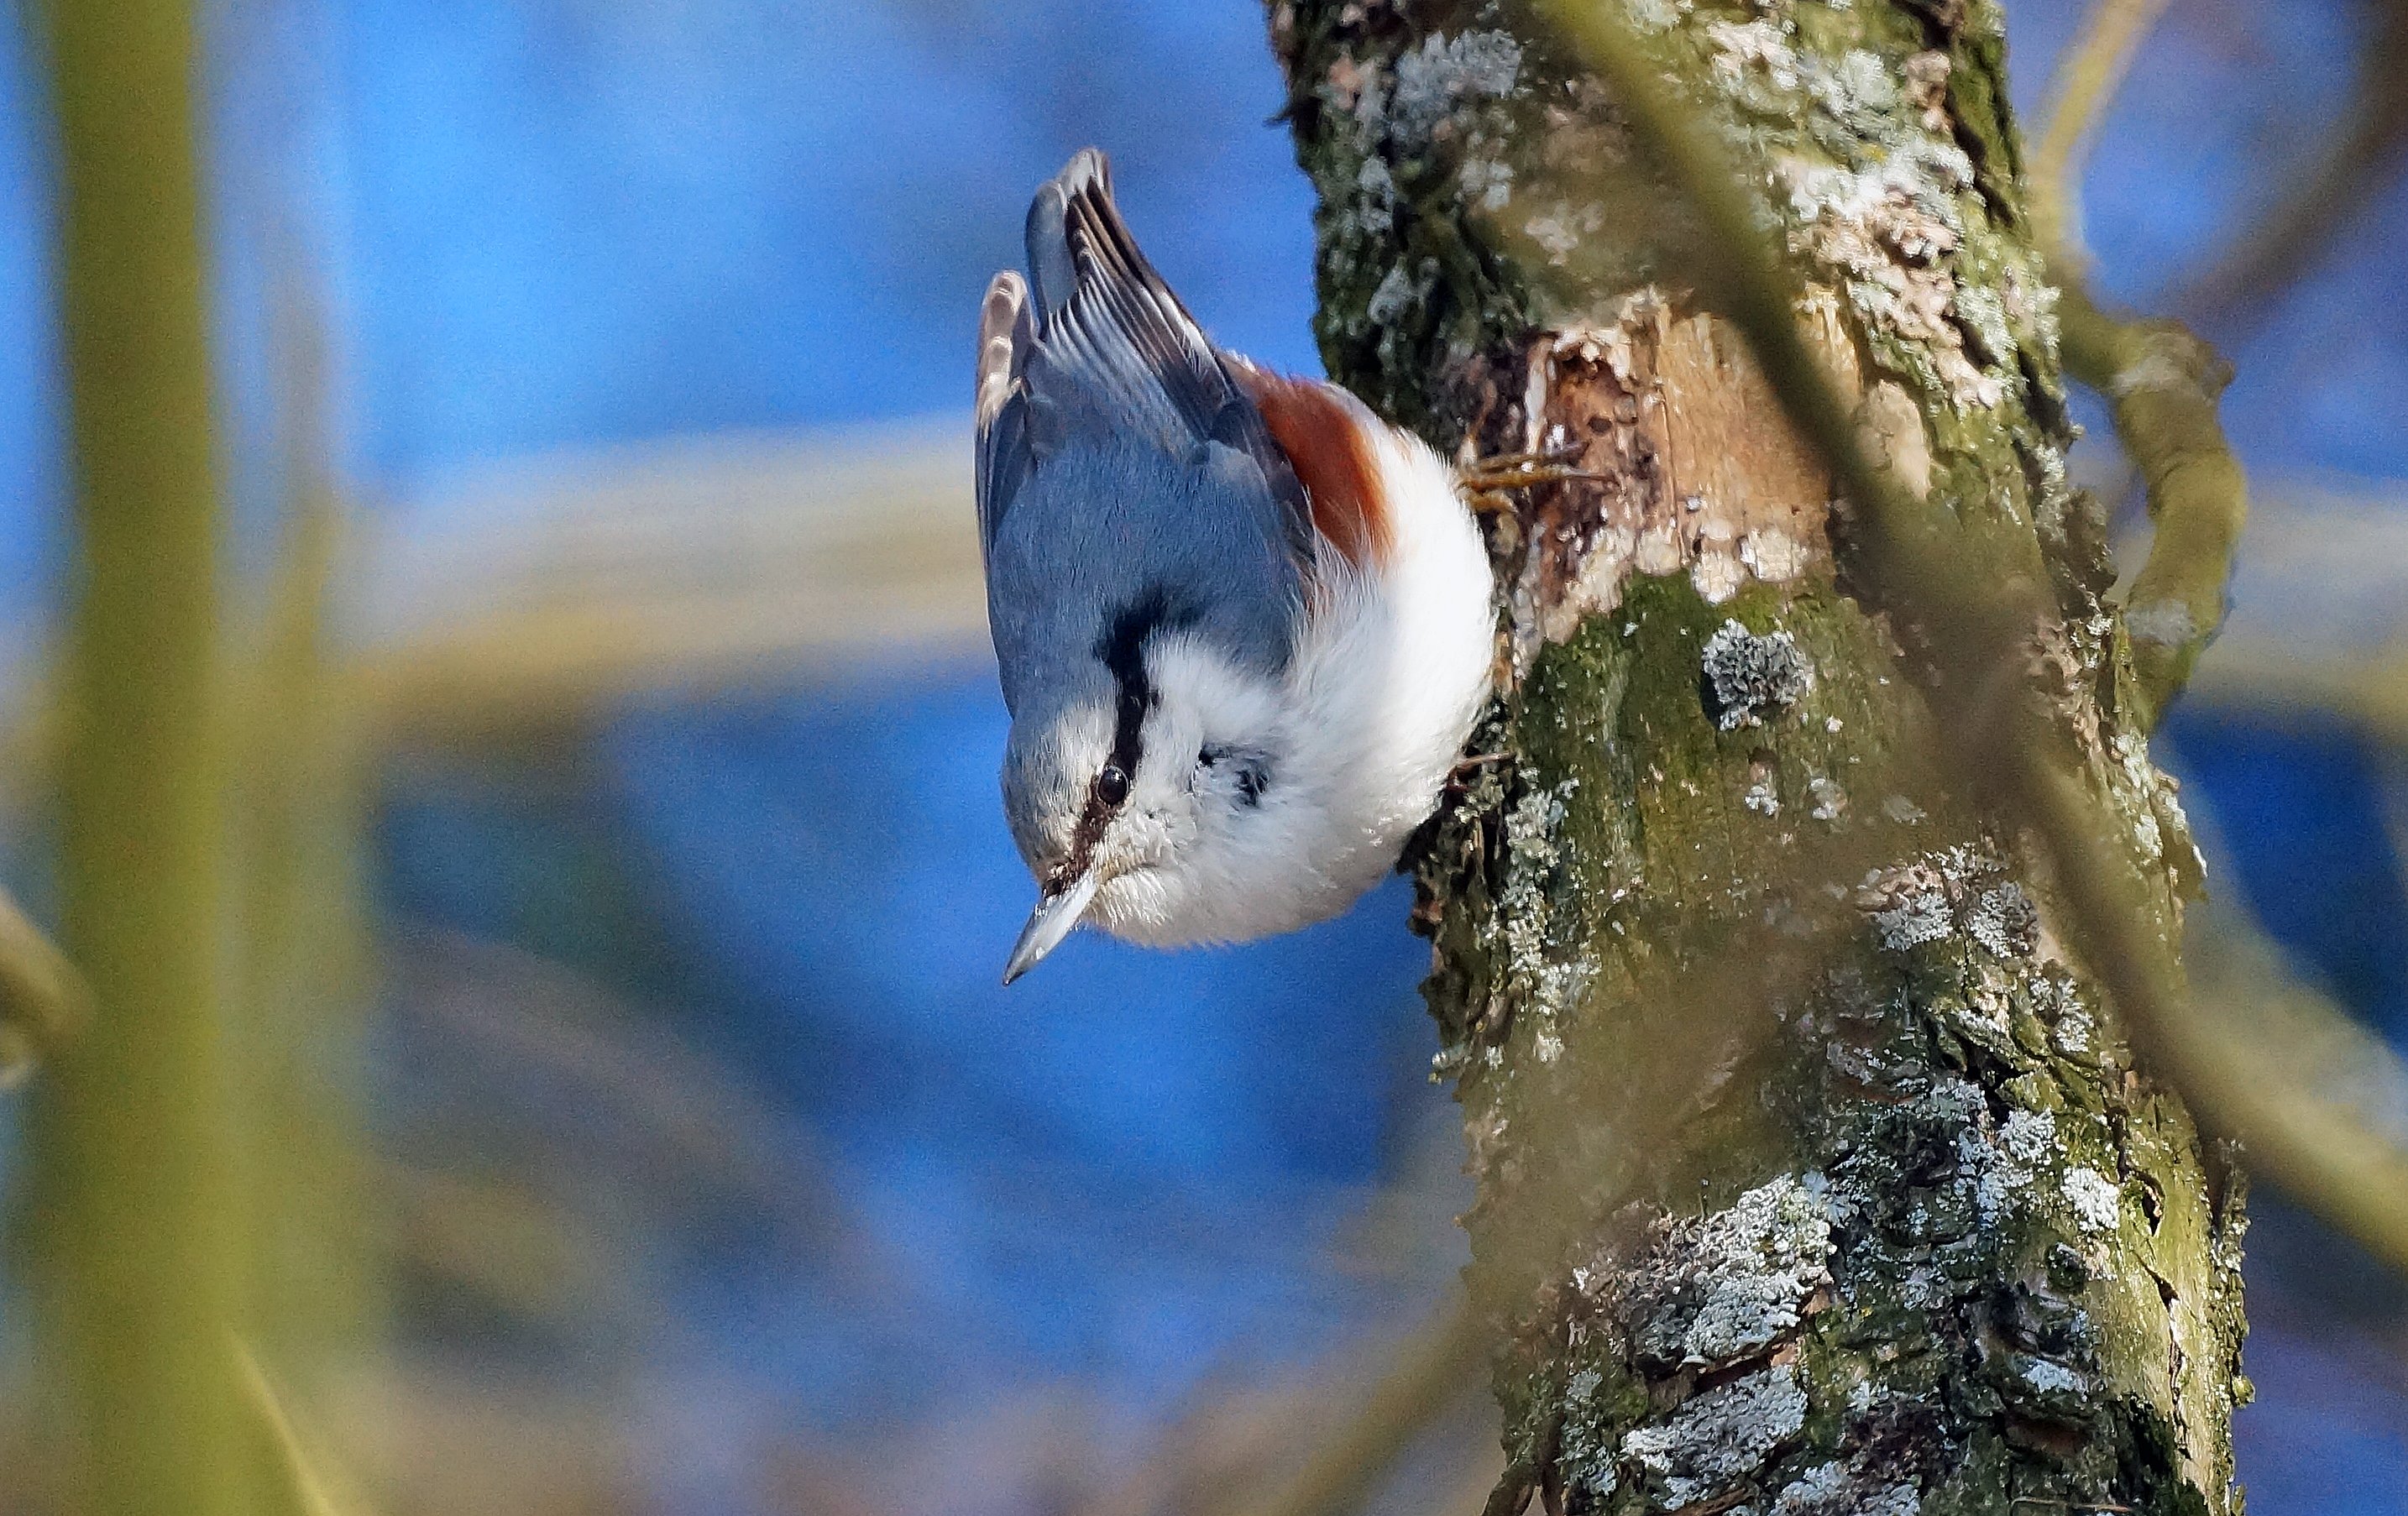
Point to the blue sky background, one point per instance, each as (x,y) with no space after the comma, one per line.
(551,223)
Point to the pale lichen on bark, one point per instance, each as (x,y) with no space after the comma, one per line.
(1812,1176)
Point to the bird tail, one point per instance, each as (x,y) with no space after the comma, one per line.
(1115,349)
(1074,220)
(1108,328)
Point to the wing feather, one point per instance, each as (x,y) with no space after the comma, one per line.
(1115,349)
(1007,335)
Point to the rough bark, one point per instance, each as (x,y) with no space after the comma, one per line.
(1812,1175)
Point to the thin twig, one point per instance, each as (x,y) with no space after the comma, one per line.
(2164,383)
(306,1479)
(2093,65)
(1930,568)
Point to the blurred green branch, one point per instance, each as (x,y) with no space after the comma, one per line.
(1980,601)
(43,1000)
(2162,381)
(298,930)
(2240,981)
(2087,78)
(134,1206)
(2354,165)
(2164,384)
(2319,1150)
(1422,1378)
(310,1484)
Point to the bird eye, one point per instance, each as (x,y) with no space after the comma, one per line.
(1113,784)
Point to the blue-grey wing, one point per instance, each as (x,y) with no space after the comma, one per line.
(1100,348)
(1109,543)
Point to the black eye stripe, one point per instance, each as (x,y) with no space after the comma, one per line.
(1122,651)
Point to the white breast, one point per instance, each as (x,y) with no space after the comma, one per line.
(1389,674)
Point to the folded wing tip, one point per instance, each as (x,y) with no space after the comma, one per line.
(1004,334)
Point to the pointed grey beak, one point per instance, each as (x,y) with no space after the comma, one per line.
(1049,923)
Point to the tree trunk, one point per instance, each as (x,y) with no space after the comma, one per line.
(1812,1174)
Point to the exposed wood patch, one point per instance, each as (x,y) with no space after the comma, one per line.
(1690,464)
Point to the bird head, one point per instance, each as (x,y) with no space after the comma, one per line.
(1146,791)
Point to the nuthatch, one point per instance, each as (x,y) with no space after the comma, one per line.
(1244,625)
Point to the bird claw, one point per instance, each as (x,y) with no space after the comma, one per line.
(1458,777)
(1488,484)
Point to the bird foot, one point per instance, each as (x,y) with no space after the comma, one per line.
(1489,483)
(1458,778)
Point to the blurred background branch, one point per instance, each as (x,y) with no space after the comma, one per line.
(136,1216)
(611,789)
(308,1485)
(2088,71)
(2354,164)
(43,1000)
(698,565)
(2164,384)
(1425,1377)
(573,583)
